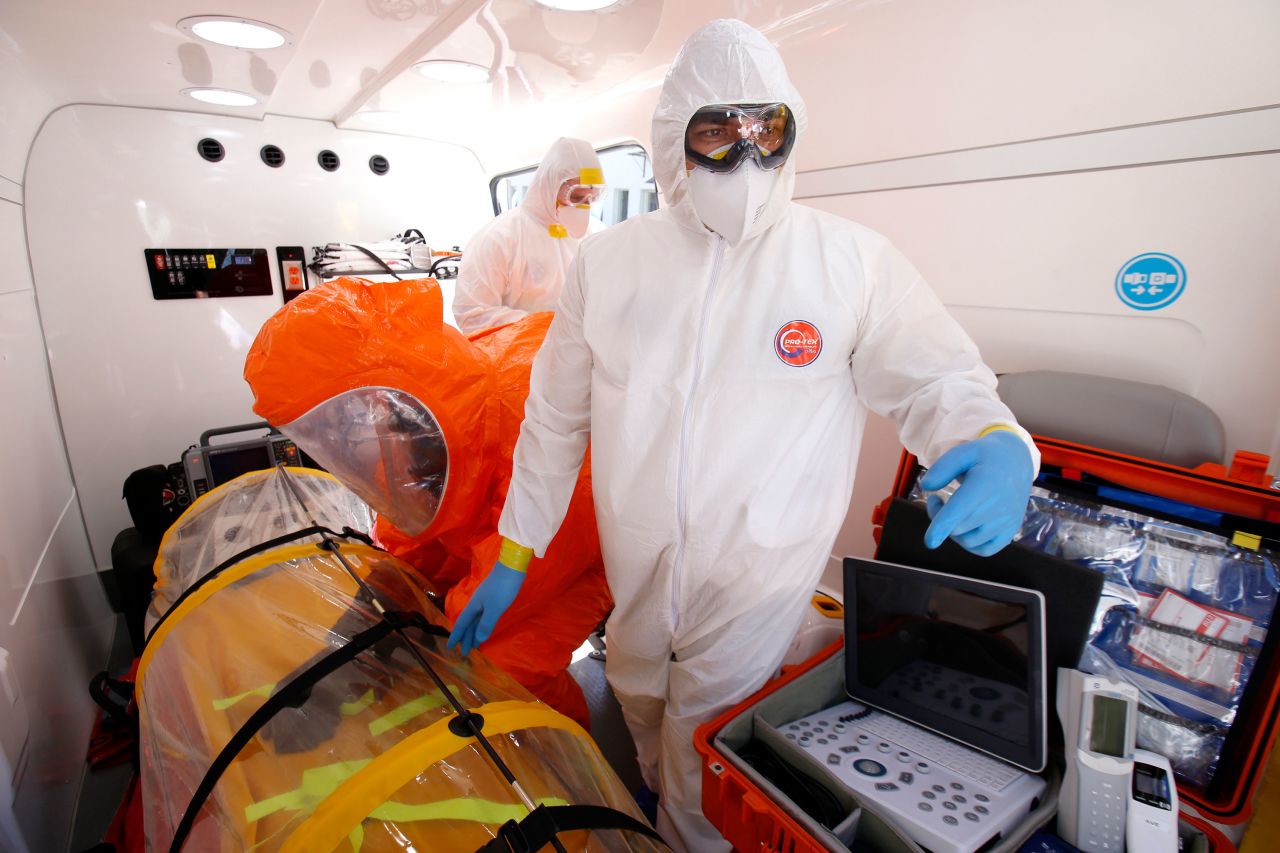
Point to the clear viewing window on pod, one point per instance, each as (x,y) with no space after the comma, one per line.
(627,171)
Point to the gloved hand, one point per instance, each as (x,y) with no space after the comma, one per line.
(490,600)
(995,473)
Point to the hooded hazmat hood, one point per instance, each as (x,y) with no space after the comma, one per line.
(724,62)
(567,159)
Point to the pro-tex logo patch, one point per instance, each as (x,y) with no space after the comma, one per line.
(798,343)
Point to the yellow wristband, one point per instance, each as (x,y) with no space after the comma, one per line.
(995,427)
(514,555)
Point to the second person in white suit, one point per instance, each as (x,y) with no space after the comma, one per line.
(515,265)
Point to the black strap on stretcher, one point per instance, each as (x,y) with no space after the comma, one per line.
(294,695)
(314,530)
(543,823)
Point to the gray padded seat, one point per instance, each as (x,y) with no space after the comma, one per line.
(1134,418)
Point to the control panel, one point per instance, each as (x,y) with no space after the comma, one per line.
(946,796)
(208,273)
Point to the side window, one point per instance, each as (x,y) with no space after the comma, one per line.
(627,171)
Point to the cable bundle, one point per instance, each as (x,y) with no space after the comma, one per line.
(406,252)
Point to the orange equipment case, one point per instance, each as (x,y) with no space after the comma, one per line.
(750,820)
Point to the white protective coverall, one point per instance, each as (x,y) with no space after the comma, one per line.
(721,472)
(514,265)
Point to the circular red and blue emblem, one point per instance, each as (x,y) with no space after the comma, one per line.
(798,343)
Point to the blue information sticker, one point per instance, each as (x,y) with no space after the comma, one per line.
(1151,281)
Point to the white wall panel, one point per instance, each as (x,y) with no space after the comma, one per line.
(36,486)
(55,625)
(895,79)
(1230,135)
(17,274)
(25,100)
(60,641)
(137,380)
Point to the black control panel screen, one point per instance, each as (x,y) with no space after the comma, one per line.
(208,273)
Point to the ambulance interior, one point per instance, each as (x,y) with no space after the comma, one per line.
(1025,155)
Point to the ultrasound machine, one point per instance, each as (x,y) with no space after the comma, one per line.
(946,728)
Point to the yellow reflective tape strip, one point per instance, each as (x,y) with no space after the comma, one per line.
(590,176)
(407,711)
(1246,540)
(264,691)
(364,792)
(317,783)
(555,229)
(462,808)
(235,573)
(301,472)
(350,709)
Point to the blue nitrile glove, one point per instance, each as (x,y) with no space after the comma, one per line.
(995,473)
(490,600)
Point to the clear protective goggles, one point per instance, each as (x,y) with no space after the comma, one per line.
(580,195)
(587,190)
(720,137)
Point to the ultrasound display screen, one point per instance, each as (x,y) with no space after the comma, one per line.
(961,657)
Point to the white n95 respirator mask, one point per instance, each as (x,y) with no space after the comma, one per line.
(575,218)
(732,204)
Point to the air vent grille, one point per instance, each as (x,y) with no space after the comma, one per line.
(211,149)
(379,165)
(272,155)
(328,160)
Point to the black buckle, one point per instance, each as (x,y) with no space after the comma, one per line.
(514,838)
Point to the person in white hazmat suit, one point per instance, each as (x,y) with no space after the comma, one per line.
(515,265)
(724,403)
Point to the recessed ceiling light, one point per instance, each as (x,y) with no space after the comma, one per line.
(452,71)
(579,5)
(221,97)
(235,32)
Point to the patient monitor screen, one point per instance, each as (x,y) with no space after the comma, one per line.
(959,658)
(225,465)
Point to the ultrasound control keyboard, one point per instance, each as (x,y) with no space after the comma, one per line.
(946,796)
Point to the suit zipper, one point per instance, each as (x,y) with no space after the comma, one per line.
(686,426)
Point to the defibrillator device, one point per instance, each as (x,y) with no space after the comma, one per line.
(207,465)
